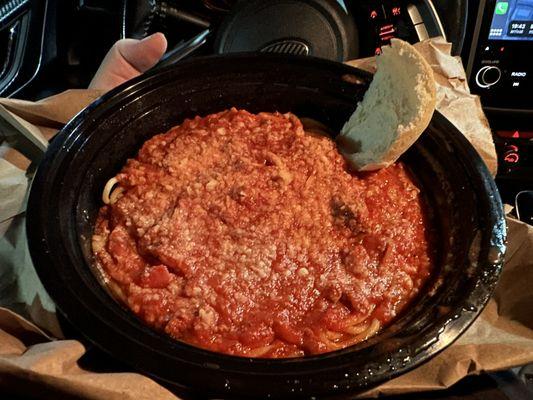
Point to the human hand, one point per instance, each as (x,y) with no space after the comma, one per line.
(127,59)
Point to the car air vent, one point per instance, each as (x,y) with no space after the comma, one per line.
(7,51)
(14,27)
(10,9)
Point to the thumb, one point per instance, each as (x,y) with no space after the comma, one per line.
(127,59)
(143,54)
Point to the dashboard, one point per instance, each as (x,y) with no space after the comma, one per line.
(499,67)
(47,46)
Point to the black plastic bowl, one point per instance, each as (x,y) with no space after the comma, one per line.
(65,197)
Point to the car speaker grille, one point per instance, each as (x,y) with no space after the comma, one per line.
(287,46)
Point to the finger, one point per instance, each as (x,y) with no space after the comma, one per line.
(127,59)
(143,55)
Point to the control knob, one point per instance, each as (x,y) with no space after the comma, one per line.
(488,76)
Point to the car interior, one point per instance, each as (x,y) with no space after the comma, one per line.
(48,46)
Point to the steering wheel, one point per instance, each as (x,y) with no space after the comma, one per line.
(334,29)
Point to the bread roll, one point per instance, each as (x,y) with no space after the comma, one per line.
(395,110)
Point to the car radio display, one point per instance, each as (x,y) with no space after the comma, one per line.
(512,20)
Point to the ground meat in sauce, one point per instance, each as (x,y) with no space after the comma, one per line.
(242,234)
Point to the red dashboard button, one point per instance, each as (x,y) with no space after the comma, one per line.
(511,154)
(515,134)
(511,158)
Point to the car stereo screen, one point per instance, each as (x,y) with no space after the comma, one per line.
(512,20)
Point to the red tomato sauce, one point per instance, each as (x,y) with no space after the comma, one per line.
(243,234)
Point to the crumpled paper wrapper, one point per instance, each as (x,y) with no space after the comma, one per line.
(454,100)
(20,288)
(36,360)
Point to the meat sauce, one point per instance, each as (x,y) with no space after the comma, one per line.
(243,234)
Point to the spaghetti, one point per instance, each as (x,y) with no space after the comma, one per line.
(241,234)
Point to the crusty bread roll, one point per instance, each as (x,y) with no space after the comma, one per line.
(395,110)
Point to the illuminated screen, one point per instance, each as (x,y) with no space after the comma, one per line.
(512,20)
